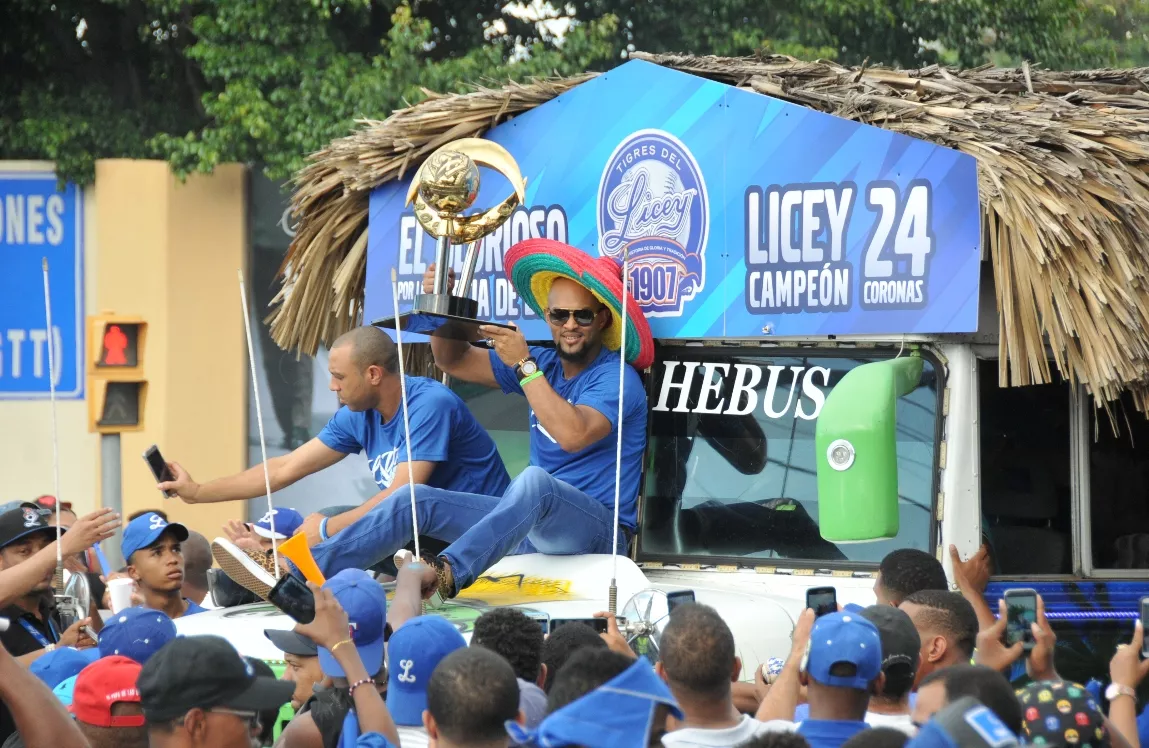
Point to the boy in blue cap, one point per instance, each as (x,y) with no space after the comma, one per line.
(415,650)
(841,669)
(152,551)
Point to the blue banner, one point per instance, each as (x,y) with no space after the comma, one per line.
(39,221)
(742,215)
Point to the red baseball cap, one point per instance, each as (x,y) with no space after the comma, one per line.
(107,681)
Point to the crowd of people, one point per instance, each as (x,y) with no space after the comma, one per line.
(917,668)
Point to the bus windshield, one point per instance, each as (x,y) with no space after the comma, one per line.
(731,460)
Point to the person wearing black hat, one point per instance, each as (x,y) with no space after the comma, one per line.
(35,624)
(198,691)
(901,652)
(26,540)
(302,658)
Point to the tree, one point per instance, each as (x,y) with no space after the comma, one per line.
(200,82)
(259,81)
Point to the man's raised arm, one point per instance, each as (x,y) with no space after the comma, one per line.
(458,358)
(283,471)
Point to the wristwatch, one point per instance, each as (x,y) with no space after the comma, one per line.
(1114,690)
(526,367)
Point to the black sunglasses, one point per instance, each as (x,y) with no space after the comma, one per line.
(584,317)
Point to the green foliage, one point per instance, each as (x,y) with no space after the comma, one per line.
(202,82)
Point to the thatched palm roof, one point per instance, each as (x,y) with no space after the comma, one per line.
(1061,168)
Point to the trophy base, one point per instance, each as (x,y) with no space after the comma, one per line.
(443,316)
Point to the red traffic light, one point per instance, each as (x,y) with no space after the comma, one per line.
(120,345)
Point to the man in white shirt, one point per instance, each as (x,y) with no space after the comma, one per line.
(901,647)
(698,663)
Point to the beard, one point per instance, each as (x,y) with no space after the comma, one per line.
(579,355)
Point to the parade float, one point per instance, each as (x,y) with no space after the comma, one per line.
(890,308)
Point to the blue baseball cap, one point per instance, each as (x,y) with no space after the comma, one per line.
(617,713)
(60,664)
(843,637)
(145,530)
(365,602)
(415,650)
(287,521)
(64,690)
(136,633)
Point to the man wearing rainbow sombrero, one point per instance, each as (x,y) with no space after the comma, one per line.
(563,503)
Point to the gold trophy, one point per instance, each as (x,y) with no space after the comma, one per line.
(446,185)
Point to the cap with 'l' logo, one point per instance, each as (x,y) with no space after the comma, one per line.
(414,651)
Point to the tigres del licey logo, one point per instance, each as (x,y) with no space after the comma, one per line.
(652,201)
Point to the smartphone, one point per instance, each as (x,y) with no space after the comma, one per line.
(674,599)
(822,599)
(1144,619)
(159,467)
(598,624)
(1021,613)
(543,620)
(91,633)
(294,598)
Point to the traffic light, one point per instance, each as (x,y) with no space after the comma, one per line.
(117,388)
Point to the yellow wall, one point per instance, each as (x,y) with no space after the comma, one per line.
(26,425)
(169,253)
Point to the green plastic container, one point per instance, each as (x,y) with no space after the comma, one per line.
(857,451)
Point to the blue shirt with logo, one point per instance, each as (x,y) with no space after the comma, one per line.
(829,733)
(443,431)
(590,470)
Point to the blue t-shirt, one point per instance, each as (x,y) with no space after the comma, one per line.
(591,470)
(193,608)
(443,431)
(829,733)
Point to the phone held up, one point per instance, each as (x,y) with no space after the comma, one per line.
(1145,617)
(599,625)
(674,599)
(294,598)
(1020,615)
(822,599)
(159,467)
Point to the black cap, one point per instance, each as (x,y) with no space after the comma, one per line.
(292,643)
(203,672)
(22,521)
(901,644)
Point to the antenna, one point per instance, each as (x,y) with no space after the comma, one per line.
(259,418)
(406,421)
(612,600)
(58,580)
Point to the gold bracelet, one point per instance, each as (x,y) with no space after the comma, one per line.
(340,644)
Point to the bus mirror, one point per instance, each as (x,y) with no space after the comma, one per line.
(857,451)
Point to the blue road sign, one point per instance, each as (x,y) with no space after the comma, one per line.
(39,221)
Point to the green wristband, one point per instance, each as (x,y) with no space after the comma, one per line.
(529,377)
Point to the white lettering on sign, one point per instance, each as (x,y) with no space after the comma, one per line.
(32,220)
(490,288)
(21,349)
(741,396)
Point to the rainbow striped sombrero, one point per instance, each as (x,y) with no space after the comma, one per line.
(532,266)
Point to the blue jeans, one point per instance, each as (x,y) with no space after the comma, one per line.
(537,514)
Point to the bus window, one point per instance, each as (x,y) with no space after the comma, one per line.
(731,459)
(1119,487)
(1025,483)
